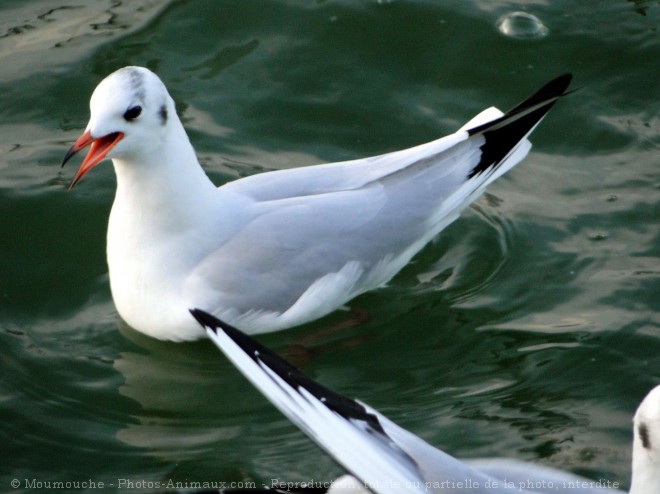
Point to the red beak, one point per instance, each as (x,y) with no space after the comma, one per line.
(100,148)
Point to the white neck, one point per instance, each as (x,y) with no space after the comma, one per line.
(166,217)
(166,180)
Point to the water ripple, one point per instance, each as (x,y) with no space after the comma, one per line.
(473,262)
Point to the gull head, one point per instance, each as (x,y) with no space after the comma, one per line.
(646,445)
(130,113)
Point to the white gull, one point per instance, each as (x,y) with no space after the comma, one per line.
(277,249)
(388,459)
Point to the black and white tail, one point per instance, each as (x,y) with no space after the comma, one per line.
(503,134)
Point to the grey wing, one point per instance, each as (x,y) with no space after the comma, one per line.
(382,455)
(321,235)
(341,426)
(317,252)
(321,250)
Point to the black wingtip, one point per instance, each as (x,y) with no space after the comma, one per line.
(247,344)
(505,133)
(543,98)
(549,92)
(206,320)
(555,87)
(259,353)
(214,324)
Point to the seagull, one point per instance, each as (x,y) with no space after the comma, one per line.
(278,249)
(384,458)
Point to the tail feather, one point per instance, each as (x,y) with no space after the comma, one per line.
(504,134)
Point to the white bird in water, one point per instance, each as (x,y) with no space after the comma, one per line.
(388,459)
(277,249)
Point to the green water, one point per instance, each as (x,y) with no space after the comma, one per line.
(529,329)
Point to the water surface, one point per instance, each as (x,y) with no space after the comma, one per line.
(528,329)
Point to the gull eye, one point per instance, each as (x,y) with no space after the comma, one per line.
(132,113)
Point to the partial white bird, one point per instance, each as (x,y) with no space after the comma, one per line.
(278,249)
(384,458)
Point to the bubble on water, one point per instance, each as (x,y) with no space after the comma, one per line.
(521,25)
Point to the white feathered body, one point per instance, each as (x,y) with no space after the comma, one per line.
(278,249)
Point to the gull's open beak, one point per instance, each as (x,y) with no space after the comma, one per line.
(100,148)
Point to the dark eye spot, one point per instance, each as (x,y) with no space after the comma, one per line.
(132,113)
(644,435)
(162,113)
